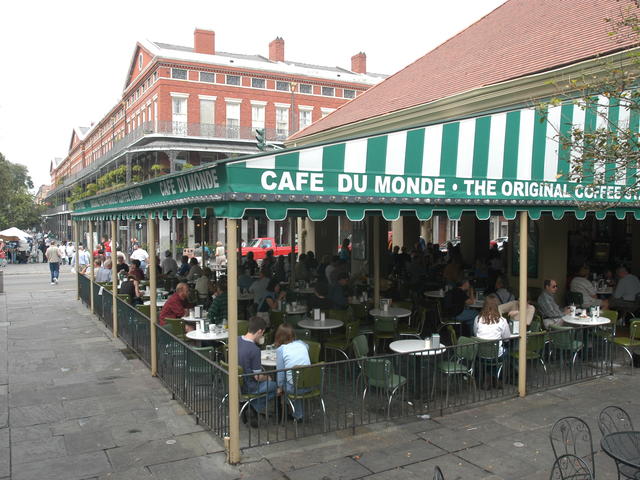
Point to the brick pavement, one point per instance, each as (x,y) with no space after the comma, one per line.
(73,406)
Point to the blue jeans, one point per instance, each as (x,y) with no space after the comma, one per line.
(54,267)
(269,387)
(297,404)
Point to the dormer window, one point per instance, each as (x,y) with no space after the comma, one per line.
(140,61)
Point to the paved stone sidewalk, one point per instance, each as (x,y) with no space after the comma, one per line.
(73,406)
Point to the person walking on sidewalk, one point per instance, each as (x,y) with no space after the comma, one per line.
(53,257)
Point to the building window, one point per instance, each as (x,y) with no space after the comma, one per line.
(306,88)
(258,83)
(179,115)
(282,86)
(349,93)
(257,116)
(233,79)
(328,91)
(233,120)
(155,76)
(305,118)
(140,61)
(179,73)
(208,77)
(282,122)
(326,111)
(207,117)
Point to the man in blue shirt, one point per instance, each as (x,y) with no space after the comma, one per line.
(249,360)
(337,293)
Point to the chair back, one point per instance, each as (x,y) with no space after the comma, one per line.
(536,323)
(275,319)
(575,298)
(634,330)
(225,365)
(359,311)
(488,349)
(302,334)
(614,419)
(570,467)
(571,435)
(385,325)
(453,336)
(467,350)
(360,346)
(535,342)
(124,297)
(379,372)
(243,327)
(205,351)
(437,473)
(145,310)
(611,315)
(562,337)
(314,350)
(351,330)
(308,377)
(175,326)
(342,315)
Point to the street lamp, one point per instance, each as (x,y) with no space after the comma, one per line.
(292,86)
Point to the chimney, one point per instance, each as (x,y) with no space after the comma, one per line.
(359,63)
(276,50)
(204,41)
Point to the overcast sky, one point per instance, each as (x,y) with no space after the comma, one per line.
(64,63)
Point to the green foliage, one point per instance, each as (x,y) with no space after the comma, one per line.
(156,170)
(18,207)
(187,166)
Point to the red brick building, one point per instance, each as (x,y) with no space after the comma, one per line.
(188,105)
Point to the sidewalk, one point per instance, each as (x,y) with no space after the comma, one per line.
(75,405)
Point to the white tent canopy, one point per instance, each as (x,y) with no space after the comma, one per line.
(15,232)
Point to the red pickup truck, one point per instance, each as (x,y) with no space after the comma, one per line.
(260,247)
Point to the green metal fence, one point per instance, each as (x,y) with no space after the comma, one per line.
(84,290)
(134,330)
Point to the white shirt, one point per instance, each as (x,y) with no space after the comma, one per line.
(628,287)
(585,287)
(140,254)
(493,331)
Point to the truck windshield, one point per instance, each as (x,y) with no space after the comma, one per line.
(254,243)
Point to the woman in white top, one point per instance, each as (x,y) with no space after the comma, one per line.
(490,325)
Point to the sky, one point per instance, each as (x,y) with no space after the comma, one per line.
(64,63)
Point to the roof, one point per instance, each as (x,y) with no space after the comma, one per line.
(517,39)
(258,62)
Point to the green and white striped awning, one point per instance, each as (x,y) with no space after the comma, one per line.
(499,163)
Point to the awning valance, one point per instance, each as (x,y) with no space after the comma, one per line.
(499,163)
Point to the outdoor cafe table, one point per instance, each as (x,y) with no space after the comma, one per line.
(421,354)
(327,324)
(624,448)
(208,336)
(268,358)
(586,321)
(297,310)
(392,312)
(434,294)
(304,291)
(159,303)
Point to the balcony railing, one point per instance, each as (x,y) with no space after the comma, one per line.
(172,129)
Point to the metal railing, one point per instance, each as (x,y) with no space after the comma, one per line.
(347,394)
(84,290)
(134,330)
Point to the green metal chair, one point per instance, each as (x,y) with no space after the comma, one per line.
(308,382)
(361,313)
(344,316)
(384,328)
(575,298)
(360,346)
(243,327)
(145,310)
(175,326)
(341,342)
(314,350)
(461,363)
(245,398)
(630,342)
(124,297)
(489,357)
(563,339)
(378,373)
(302,334)
(535,349)
(536,323)
(413,328)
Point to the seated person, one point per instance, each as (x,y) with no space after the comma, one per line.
(259,287)
(203,286)
(509,305)
(103,274)
(135,270)
(131,287)
(456,304)
(250,264)
(549,310)
(249,360)
(121,266)
(490,324)
(269,302)
(581,284)
(169,265)
(626,293)
(338,292)
(177,306)
(195,271)
(184,266)
(319,297)
(501,291)
(302,272)
(218,308)
(290,353)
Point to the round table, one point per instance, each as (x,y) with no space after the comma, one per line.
(434,294)
(298,310)
(245,297)
(194,319)
(605,291)
(415,347)
(391,312)
(624,447)
(159,303)
(586,321)
(202,336)
(478,304)
(327,324)
(304,291)
(268,358)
